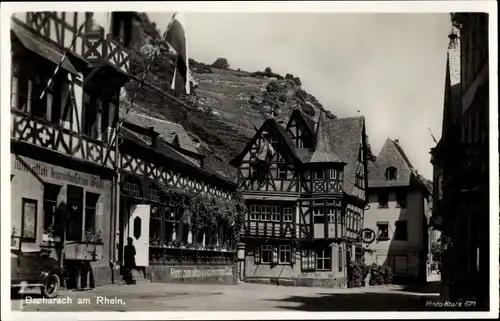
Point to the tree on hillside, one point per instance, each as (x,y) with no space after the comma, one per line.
(268,70)
(289,76)
(221,63)
(297,81)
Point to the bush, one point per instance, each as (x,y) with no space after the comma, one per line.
(380,275)
(359,271)
(221,63)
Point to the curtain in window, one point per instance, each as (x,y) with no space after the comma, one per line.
(257,255)
(275,255)
(292,255)
(308,262)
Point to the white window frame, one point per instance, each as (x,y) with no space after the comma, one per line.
(333,174)
(324,254)
(285,249)
(288,214)
(331,212)
(264,249)
(254,212)
(275,213)
(318,211)
(265,213)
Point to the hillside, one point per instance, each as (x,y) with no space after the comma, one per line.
(226,106)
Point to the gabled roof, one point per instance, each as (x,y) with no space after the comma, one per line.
(391,155)
(268,125)
(323,151)
(167,130)
(342,137)
(304,117)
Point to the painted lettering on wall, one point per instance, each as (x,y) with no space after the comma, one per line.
(182,273)
(72,177)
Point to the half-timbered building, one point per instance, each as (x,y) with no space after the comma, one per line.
(304,185)
(66,77)
(162,176)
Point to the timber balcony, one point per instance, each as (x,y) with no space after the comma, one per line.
(62,139)
(59,29)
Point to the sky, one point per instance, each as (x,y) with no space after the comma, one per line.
(390,67)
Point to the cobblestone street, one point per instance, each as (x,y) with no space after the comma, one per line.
(241,297)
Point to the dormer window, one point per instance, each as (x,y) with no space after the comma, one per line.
(391,173)
(306,141)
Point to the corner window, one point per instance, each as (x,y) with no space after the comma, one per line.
(319,215)
(383,200)
(324,259)
(401,233)
(391,173)
(383,231)
(285,254)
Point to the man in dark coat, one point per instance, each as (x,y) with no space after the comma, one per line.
(129,258)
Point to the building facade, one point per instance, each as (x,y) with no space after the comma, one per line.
(62,159)
(461,210)
(398,215)
(304,185)
(178,212)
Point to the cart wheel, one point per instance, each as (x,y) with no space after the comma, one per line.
(52,285)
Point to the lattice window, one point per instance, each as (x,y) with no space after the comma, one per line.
(132,189)
(308,262)
(154,194)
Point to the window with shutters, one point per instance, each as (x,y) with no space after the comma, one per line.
(265,213)
(266,254)
(275,213)
(287,214)
(285,255)
(324,259)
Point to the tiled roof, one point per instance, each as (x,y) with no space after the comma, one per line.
(324,150)
(167,130)
(391,155)
(342,138)
(41,47)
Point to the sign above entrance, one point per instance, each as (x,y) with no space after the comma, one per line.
(48,172)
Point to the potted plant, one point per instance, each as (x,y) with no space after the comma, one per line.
(90,249)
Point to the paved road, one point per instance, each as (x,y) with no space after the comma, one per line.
(241,297)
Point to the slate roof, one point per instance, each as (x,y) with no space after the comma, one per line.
(167,130)
(338,141)
(342,136)
(391,154)
(165,150)
(40,47)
